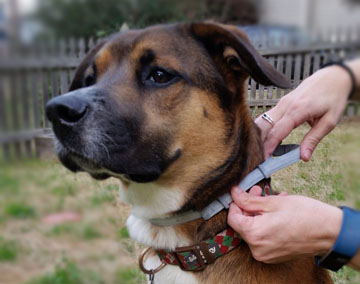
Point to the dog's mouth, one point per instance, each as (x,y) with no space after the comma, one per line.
(80,162)
(100,169)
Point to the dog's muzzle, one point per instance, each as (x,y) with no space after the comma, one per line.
(102,136)
(77,127)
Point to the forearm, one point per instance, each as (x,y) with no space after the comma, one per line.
(355,67)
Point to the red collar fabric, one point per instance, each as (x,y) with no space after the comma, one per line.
(196,257)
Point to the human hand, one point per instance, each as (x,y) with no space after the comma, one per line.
(319,100)
(279,228)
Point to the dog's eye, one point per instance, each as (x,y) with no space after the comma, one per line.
(89,80)
(160,76)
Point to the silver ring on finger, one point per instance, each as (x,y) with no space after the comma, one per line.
(268,118)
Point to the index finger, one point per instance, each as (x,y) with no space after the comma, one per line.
(280,131)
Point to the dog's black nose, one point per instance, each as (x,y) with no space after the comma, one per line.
(66,109)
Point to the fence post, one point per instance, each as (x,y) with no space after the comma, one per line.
(3,119)
(82,48)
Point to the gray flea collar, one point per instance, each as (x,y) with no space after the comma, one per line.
(283,156)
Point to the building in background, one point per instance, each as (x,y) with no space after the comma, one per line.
(2,23)
(3,30)
(311,15)
(275,18)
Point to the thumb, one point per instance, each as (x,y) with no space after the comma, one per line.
(313,137)
(248,202)
(256,190)
(237,220)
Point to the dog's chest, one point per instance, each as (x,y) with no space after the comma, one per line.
(157,237)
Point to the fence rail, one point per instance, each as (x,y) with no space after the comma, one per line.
(30,78)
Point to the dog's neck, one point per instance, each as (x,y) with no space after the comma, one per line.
(246,155)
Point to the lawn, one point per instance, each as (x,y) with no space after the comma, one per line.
(95,246)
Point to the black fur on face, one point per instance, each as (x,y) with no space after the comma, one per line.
(107,140)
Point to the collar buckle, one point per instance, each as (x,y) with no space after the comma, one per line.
(190,258)
(141,263)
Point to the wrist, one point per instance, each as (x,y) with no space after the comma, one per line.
(347,243)
(354,65)
(351,72)
(332,227)
(343,78)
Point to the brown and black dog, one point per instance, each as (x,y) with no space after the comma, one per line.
(163,110)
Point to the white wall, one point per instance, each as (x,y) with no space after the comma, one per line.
(310,14)
(335,13)
(284,12)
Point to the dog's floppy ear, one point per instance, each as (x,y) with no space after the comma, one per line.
(78,80)
(235,50)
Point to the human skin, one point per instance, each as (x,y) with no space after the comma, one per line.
(279,228)
(283,227)
(319,100)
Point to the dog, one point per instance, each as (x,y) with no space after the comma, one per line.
(163,110)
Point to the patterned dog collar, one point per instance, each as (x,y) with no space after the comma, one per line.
(196,257)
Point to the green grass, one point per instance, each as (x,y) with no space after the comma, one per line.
(337,195)
(69,273)
(124,238)
(8,250)
(89,233)
(128,245)
(64,190)
(19,210)
(129,276)
(357,204)
(83,231)
(102,196)
(123,233)
(62,229)
(112,187)
(8,184)
(345,275)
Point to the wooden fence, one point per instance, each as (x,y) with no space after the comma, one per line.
(31,76)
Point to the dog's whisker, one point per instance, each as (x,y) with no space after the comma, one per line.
(106,149)
(108,137)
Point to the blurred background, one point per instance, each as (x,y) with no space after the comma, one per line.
(58,227)
(27,21)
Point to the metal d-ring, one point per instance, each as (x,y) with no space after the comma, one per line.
(142,267)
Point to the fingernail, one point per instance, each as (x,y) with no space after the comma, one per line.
(237,189)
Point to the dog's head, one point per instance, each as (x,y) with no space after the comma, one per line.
(159,104)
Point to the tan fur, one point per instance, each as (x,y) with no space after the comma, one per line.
(103,60)
(193,132)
